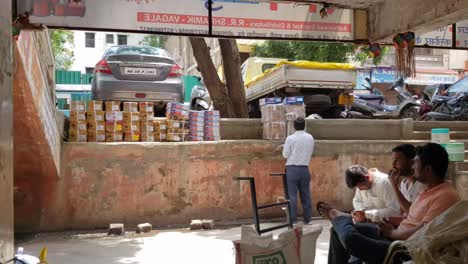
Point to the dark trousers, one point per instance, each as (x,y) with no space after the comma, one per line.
(354,243)
(298,179)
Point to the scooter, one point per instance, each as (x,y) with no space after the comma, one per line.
(200,98)
(449,108)
(21,258)
(373,105)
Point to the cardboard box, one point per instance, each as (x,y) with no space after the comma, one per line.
(114,136)
(95,106)
(96,136)
(177,114)
(77,136)
(96,116)
(146,116)
(274,130)
(130,107)
(147,137)
(114,116)
(131,127)
(114,126)
(179,106)
(146,107)
(112,106)
(160,136)
(177,131)
(131,136)
(177,124)
(160,125)
(78,125)
(196,133)
(273,113)
(98,126)
(197,114)
(77,116)
(77,106)
(174,137)
(196,138)
(131,116)
(147,126)
(270,100)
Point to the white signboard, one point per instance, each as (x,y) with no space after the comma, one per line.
(439,38)
(462,34)
(238,18)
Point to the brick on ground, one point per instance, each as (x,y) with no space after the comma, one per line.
(116,229)
(144,228)
(208,224)
(196,224)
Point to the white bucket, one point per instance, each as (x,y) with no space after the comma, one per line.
(440,135)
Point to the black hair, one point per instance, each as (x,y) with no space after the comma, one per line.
(299,123)
(407,149)
(355,174)
(435,156)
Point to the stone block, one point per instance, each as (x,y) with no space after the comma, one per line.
(144,228)
(208,224)
(196,225)
(116,229)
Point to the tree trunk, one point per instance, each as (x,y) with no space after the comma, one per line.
(216,88)
(232,72)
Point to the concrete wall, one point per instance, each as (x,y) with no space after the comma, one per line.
(6,136)
(171,183)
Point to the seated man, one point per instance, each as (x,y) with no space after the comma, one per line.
(374,198)
(406,188)
(370,242)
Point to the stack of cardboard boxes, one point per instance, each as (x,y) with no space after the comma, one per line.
(160,129)
(278,116)
(197,125)
(96,122)
(114,122)
(212,123)
(177,122)
(78,127)
(147,121)
(131,122)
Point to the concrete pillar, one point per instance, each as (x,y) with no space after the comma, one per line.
(6,137)
(396,16)
(407,128)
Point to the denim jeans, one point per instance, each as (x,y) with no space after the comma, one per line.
(298,179)
(356,242)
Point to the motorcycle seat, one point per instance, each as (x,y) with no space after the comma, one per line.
(370,96)
(441,99)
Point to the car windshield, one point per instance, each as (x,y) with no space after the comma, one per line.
(141,50)
(460,86)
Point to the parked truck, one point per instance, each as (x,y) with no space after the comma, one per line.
(321,84)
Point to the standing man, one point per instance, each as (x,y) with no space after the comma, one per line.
(298,150)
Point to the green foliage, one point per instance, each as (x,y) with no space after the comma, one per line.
(62,46)
(153,41)
(316,51)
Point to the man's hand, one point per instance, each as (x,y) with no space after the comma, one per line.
(279,148)
(394,220)
(386,229)
(394,176)
(359,216)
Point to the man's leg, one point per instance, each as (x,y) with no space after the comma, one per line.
(337,254)
(292,180)
(370,249)
(304,192)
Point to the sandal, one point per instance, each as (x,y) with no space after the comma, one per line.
(321,206)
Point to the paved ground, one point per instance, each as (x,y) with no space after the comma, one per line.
(167,246)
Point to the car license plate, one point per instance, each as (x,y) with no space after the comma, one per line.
(140,71)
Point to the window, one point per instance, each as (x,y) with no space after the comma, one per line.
(89,70)
(141,50)
(90,40)
(109,38)
(121,39)
(459,87)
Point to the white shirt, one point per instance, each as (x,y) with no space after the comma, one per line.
(298,148)
(411,190)
(379,201)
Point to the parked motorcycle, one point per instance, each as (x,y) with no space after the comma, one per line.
(449,108)
(200,98)
(373,105)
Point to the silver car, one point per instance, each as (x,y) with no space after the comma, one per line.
(137,73)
